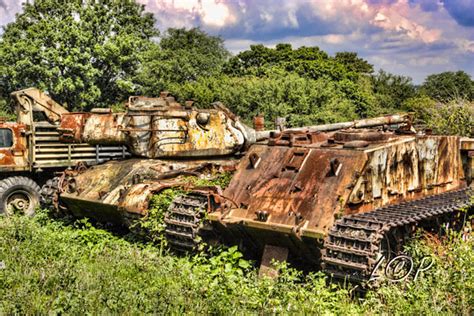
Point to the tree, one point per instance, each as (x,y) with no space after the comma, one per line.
(392,90)
(310,62)
(83,52)
(422,106)
(447,86)
(181,56)
(354,63)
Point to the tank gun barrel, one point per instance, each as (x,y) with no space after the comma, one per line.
(263,135)
(365,123)
(260,135)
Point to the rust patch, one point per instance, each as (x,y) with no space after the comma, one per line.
(267,266)
(161,127)
(14,157)
(296,138)
(71,127)
(299,187)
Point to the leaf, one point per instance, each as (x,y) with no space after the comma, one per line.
(244,264)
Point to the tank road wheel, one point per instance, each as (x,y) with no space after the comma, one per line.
(19,195)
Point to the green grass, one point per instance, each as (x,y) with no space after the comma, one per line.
(57,268)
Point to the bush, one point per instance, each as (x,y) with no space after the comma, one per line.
(6,111)
(453,118)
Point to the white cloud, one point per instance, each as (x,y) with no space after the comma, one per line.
(215,13)
(8,8)
(465,45)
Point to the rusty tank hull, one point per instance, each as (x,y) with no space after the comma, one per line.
(325,195)
(294,195)
(120,191)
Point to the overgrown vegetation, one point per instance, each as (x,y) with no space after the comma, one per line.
(152,226)
(455,117)
(49,267)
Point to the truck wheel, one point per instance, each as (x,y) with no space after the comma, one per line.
(19,195)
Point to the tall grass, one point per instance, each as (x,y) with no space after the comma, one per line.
(57,268)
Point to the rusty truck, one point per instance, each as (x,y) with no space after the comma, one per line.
(337,196)
(31,151)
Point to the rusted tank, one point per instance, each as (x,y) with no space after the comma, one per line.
(337,196)
(331,198)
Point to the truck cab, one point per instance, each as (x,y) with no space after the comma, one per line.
(13,146)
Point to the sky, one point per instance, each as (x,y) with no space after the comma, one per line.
(408,37)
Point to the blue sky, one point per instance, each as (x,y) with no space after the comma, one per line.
(409,37)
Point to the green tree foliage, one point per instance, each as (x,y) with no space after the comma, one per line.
(422,106)
(181,56)
(453,118)
(4,109)
(310,62)
(354,63)
(89,53)
(83,52)
(209,49)
(447,86)
(301,101)
(304,85)
(392,90)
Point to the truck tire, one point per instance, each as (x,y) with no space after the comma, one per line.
(18,195)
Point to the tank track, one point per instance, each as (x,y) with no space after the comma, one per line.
(49,193)
(185,222)
(353,245)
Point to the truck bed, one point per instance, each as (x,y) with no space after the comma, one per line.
(49,152)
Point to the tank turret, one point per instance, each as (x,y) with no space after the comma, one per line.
(161,127)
